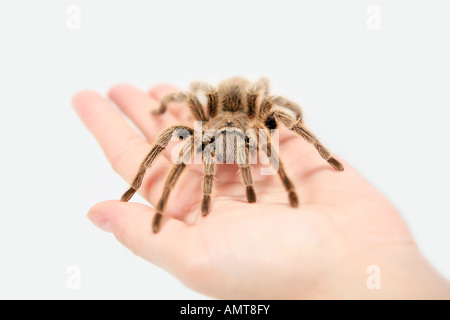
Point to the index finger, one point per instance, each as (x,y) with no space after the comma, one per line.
(122,145)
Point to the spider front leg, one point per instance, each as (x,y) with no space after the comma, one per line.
(298,127)
(276,163)
(160,144)
(242,159)
(324,153)
(288,185)
(170,182)
(209,170)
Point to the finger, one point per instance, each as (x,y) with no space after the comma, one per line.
(178,109)
(137,106)
(123,146)
(131,225)
(161,89)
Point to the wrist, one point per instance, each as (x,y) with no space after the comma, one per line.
(391,272)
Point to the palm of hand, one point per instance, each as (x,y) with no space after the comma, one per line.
(259,250)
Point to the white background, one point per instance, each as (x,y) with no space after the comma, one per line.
(378,98)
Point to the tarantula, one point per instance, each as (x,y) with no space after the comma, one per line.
(231,109)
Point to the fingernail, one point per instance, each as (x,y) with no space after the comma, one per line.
(100,221)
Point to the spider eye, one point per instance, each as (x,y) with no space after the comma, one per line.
(270,122)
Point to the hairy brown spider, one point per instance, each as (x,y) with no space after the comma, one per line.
(233,108)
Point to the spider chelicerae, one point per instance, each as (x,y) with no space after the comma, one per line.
(236,121)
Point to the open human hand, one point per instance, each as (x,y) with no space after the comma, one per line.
(266,249)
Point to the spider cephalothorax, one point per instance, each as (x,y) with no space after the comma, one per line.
(235,122)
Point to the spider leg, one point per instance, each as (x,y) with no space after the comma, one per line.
(285,103)
(196,108)
(262,85)
(268,104)
(288,185)
(200,86)
(211,94)
(252,97)
(209,170)
(161,142)
(298,127)
(213,102)
(276,163)
(168,98)
(192,101)
(170,182)
(265,107)
(242,159)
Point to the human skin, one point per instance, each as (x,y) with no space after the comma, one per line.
(262,250)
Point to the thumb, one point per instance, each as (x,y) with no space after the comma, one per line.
(131,225)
